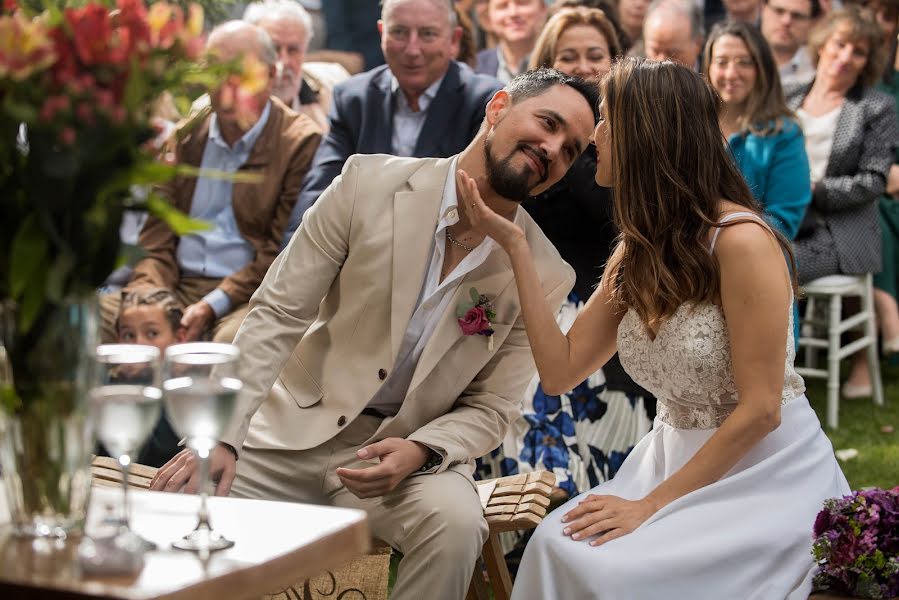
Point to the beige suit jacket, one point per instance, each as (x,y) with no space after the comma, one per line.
(325,326)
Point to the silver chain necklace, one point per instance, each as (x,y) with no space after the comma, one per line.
(453,240)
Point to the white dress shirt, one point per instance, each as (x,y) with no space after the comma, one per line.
(818,132)
(407,123)
(433,302)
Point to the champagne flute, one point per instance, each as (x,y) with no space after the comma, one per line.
(201,388)
(126,402)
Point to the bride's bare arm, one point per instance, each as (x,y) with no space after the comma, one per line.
(563,361)
(755,295)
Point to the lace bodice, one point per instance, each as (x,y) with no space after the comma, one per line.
(688,368)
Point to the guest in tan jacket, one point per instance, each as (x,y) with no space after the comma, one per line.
(363,387)
(214,272)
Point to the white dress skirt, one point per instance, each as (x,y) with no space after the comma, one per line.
(747,536)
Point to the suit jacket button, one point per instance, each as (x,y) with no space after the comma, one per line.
(382,374)
(341,421)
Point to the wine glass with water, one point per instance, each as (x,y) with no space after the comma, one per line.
(201,385)
(126,402)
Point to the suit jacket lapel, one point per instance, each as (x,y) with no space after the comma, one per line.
(415,215)
(849,122)
(381,141)
(191,153)
(491,278)
(440,114)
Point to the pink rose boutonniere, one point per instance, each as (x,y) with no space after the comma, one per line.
(474,316)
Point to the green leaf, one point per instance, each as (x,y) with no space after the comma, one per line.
(56,277)
(462,309)
(135,93)
(9,399)
(28,253)
(235,176)
(19,110)
(180,223)
(32,301)
(129,254)
(475,296)
(142,173)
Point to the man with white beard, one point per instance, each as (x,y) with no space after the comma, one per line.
(290,27)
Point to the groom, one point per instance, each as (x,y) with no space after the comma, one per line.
(362,386)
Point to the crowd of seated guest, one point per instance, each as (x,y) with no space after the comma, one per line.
(809,98)
(213,272)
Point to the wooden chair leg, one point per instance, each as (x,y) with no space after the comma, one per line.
(871,332)
(477,589)
(833,360)
(500,580)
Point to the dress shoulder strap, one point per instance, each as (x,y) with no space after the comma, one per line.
(731,217)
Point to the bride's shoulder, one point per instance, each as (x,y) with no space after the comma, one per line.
(747,239)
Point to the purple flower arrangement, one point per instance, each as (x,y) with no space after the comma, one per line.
(857,544)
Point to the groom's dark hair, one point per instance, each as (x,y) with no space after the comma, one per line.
(536,82)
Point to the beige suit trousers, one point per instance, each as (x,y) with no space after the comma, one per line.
(436,521)
(188,291)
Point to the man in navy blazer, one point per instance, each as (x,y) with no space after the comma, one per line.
(517,25)
(422,103)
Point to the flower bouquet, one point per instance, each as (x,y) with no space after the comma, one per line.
(79,85)
(857,544)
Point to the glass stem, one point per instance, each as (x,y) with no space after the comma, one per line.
(203,514)
(125,462)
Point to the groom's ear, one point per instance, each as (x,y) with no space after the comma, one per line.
(497,107)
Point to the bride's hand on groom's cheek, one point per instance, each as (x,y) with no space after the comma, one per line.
(608,517)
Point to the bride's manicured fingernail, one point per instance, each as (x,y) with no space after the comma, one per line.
(567,530)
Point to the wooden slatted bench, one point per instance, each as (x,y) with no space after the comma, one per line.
(105,471)
(512,503)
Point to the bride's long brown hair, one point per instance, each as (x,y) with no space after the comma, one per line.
(670,169)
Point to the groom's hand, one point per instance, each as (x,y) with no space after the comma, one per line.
(181,474)
(399,459)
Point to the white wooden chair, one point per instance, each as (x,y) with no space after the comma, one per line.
(826,334)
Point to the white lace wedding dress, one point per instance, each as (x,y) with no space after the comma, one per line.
(746,536)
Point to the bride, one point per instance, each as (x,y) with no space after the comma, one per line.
(719,499)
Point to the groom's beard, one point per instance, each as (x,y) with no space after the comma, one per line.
(505,180)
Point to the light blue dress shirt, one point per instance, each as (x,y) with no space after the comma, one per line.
(407,123)
(221,250)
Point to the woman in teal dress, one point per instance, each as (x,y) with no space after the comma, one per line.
(764,137)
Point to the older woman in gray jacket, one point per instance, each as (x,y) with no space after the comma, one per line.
(850,131)
(850,136)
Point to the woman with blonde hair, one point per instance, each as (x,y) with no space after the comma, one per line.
(582,435)
(577,41)
(719,499)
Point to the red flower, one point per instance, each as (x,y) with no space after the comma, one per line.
(475,321)
(92,32)
(67,136)
(65,69)
(132,28)
(10,6)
